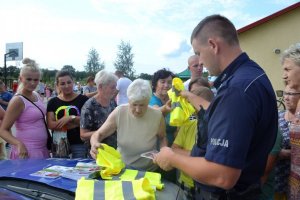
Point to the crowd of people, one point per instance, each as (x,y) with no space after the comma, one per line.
(235,146)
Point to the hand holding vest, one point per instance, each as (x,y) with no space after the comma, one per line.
(181,108)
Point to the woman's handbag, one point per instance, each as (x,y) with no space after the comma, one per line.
(49,138)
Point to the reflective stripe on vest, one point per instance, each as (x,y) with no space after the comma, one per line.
(131,174)
(113,190)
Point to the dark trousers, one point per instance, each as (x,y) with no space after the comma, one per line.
(251,193)
(205,195)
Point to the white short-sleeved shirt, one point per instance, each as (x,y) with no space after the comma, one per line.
(122,85)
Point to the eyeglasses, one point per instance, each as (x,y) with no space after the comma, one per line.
(291,93)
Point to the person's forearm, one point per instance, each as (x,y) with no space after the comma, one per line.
(206,172)
(53,125)
(163,142)
(196,101)
(73,123)
(9,138)
(4,103)
(76,120)
(100,135)
(269,167)
(181,151)
(86,135)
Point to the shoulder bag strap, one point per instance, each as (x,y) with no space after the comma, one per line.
(41,112)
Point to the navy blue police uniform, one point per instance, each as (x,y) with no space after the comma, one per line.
(239,127)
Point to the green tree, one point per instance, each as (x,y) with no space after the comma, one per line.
(81,75)
(48,76)
(13,71)
(124,60)
(93,64)
(69,68)
(145,76)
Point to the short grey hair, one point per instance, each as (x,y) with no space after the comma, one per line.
(104,78)
(138,90)
(293,53)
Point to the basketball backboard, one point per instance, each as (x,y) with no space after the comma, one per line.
(16,47)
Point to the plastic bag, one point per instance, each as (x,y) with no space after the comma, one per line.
(61,145)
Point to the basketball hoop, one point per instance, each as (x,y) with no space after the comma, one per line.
(14,52)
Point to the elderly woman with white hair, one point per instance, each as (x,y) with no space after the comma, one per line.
(96,110)
(284,173)
(290,61)
(138,126)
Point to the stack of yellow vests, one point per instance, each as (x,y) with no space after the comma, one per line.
(118,183)
(181,108)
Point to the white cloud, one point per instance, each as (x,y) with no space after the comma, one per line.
(169,42)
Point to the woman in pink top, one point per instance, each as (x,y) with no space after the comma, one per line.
(30,140)
(2,143)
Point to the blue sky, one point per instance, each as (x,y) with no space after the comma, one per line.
(61,32)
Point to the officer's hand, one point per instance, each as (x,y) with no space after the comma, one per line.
(162,159)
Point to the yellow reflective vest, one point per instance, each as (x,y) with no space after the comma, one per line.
(114,190)
(121,184)
(131,174)
(181,108)
(109,159)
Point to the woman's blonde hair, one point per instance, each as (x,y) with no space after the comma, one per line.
(28,65)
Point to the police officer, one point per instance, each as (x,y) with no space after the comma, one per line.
(238,129)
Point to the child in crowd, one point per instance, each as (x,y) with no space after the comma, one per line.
(185,140)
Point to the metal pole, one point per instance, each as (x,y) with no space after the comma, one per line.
(5,81)
(5,71)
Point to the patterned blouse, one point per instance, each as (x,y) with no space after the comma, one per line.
(282,167)
(93,115)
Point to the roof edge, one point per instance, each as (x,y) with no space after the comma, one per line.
(268,18)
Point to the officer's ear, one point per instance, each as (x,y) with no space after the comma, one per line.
(213,44)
